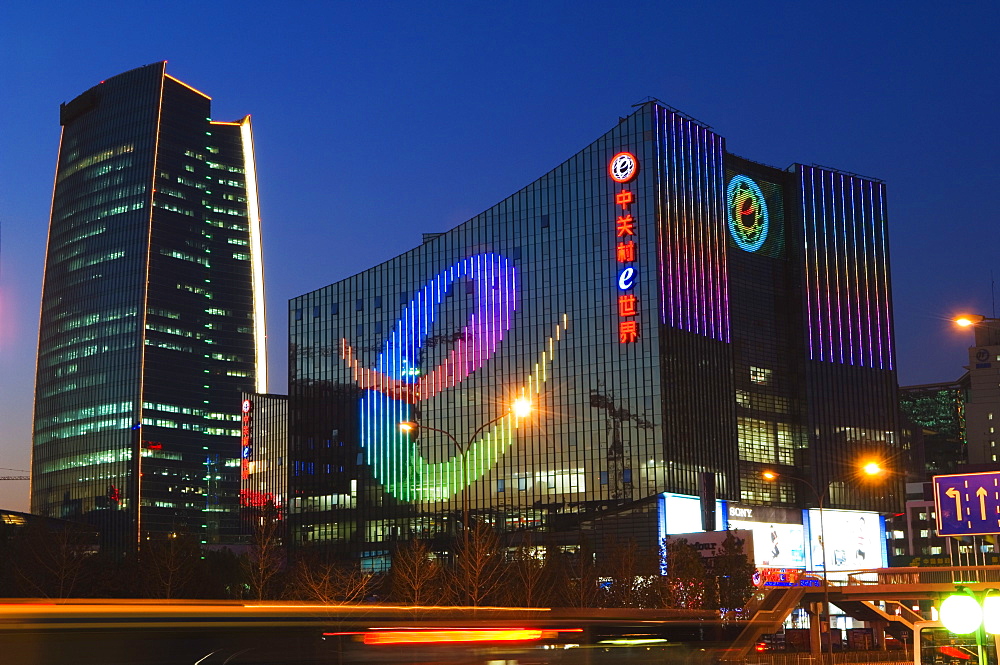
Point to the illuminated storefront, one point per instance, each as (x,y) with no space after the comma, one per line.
(671,310)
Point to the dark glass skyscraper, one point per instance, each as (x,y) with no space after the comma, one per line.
(152,318)
(673,310)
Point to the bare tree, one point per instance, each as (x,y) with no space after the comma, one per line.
(265,557)
(574,576)
(50,562)
(632,574)
(168,563)
(414,575)
(526,582)
(329,581)
(479,566)
(686,578)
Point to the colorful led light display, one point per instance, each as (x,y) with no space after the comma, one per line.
(746,213)
(393,386)
(847,276)
(695,290)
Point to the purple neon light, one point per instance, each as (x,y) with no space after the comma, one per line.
(847,281)
(693,284)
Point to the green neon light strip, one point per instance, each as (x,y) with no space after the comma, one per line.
(408,475)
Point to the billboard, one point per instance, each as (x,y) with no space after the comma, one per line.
(855,540)
(681,514)
(775,545)
(709,543)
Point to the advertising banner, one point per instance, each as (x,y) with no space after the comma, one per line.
(778,535)
(855,540)
(709,543)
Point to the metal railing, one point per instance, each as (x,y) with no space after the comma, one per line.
(836,658)
(936,575)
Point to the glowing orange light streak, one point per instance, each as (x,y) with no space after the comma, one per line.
(452,635)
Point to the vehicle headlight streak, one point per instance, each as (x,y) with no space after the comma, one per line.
(393,386)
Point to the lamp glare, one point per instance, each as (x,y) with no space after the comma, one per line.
(991,614)
(521,407)
(961,614)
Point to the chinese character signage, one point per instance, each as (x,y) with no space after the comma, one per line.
(246,440)
(622,169)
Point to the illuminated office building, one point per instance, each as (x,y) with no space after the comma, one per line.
(152,319)
(263,455)
(673,310)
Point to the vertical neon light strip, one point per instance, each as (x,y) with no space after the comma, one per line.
(692,253)
(884,306)
(256,253)
(809,245)
(846,280)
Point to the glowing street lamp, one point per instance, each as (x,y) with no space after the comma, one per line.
(519,408)
(965,321)
(871,468)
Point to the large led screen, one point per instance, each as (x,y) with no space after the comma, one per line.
(680,513)
(775,545)
(854,540)
(755,215)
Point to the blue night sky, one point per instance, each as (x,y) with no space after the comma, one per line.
(377,121)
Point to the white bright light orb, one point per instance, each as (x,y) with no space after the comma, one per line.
(991,614)
(961,614)
(521,407)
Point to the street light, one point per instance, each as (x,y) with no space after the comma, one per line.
(871,468)
(965,321)
(519,408)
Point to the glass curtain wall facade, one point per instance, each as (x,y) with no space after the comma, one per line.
(152,313)
(649,295)
(263,456)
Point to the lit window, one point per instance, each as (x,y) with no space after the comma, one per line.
(500,485)
(925,533)
(760,375)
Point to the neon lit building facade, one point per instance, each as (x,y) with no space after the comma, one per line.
(671,309)
(152,313)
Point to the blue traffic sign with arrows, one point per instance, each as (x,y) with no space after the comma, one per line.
(967,504)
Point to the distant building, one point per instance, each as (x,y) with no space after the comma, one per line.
(982,409)
(674,311)
(263,453)
(152,318)
(938,410)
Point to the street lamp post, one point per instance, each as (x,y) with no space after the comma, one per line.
(871,468)
(519,408)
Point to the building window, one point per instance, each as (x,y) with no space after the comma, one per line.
(359,331)
(522,484)
(760,375)
(315,311)
(627,475)
(335,308)
(604,477)
(298,314)
(359,305)
(925,533)
(378,301)
(545,221)
(500,485)
(403,299)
